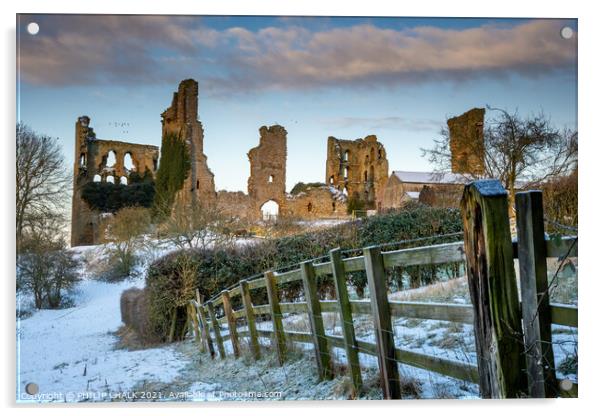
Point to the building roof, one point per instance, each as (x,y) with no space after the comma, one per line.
(430,177)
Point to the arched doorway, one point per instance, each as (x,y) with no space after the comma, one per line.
(269,210)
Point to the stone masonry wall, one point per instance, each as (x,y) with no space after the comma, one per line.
(318,202)
(466,142)
(181,119)
(359,167)
(91,164)
(268,170)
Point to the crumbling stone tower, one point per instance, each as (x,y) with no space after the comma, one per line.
(181,119)
(267,181)
(91,164)
(358,168)
(466,142)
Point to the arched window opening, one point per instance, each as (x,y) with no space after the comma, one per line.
(332,180)
(271,179)
(345,191)
(365,176)
(198,184)
(269,210)
(123,180)
(346,156)
(334,206)
(346,173)
(82,160)
(128,162)
(97,178)
(309,207)
(380,154)
(110,179)
(371,173)
(111,159)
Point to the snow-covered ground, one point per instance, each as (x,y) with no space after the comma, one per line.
(72,354)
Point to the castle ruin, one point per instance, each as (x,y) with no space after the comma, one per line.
(466,142)
(267,181)
(358,168)
(181,120)
(93,164)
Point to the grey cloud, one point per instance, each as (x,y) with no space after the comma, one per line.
(159,49)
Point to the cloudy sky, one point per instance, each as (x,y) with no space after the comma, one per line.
(398,78)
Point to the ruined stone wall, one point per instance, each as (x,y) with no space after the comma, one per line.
(267,180)
(318,202)
(359,167)
(234,204)
(91,165)
(466,142)
(181,119)
(392,194)
(442,196)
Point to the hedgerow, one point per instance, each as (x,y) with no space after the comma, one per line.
(221,267)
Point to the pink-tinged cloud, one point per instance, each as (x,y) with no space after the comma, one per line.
(158,49)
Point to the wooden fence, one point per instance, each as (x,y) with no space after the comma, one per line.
(493,287)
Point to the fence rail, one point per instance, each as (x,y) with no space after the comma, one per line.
(375,263)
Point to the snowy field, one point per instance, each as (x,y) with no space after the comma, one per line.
(73,355)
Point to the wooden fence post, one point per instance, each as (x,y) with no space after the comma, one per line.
(377,283)
(195,324)
(216,330)
(204,326)
(315,319)
(351,349)
(231,322)
(248,305)
(537,316)
(493,290)
(278,329)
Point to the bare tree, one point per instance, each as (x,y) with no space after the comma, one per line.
(525,150)
(125,233)
(45,268)
(197,226)
(41,179)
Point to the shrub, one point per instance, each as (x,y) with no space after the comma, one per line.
(560,199)
(47,270)
(218,268)
(125,233)
(110,197)
(170,285)
(302,187)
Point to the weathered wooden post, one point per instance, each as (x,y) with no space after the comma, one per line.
(315,319)
(385,342)
(195,324)
(216,330)
(351,348)
(493,290)
(231,322)
(204,325)
(537,316)
(278,341)
(248,305)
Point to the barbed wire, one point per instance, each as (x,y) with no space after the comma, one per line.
(561,226)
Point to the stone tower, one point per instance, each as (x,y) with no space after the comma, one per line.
(92,165)
(466,142)
(267,180)
(83,219)
(181,119)
(358,168)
